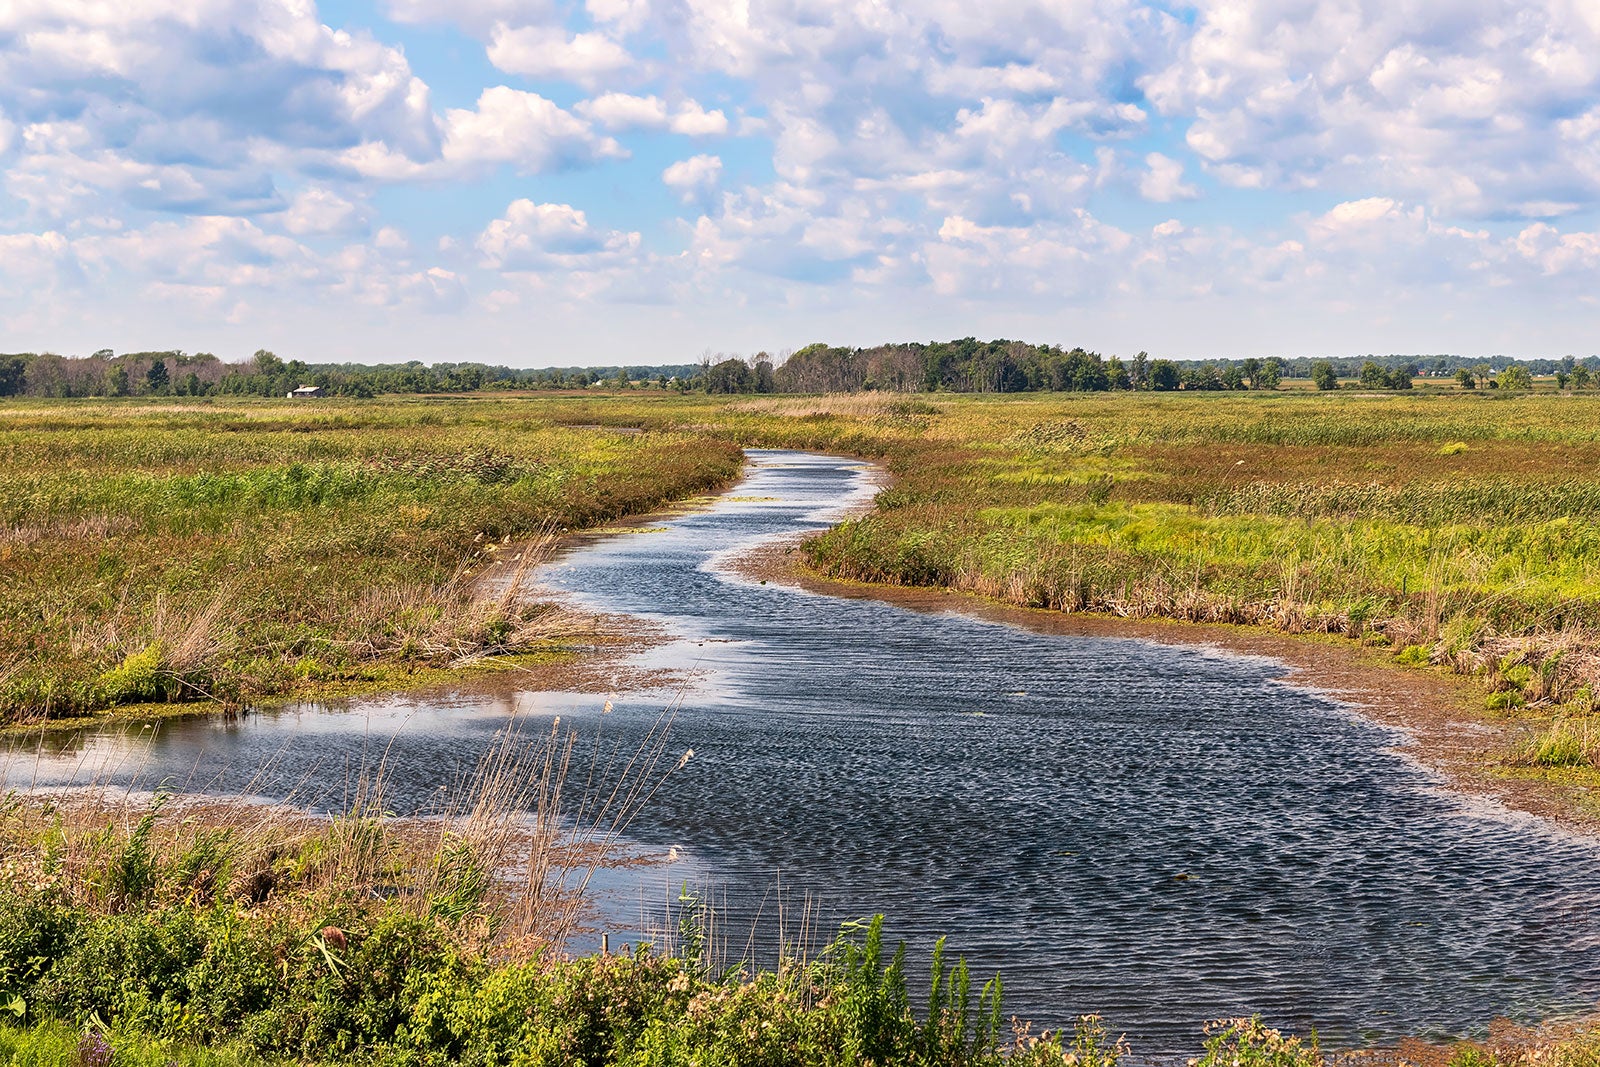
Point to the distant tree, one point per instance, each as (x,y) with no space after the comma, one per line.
(1401,376)
(13,375)
(156,377)
(1562,378)
(1204,377)
(1581,377)
(761,373)
(1482,371)
(191,385)
(1270,375)
(1465,379)
(117,381)
(729,376)
(1322,375)
(1516,377)
(268,364)
(1164,375)
(1251,369)
(1233,377)
(1117,375)
(1373,376)
(1138,372)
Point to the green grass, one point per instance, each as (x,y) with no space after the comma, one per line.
(230,550)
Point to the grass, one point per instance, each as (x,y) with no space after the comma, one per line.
(230,551)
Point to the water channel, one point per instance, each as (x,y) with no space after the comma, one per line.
(1159,834)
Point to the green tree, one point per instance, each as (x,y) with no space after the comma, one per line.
(1322,375)
(1164,375)
(191,385)
(117,380)
(156,377)
(1251,369)
(1117,374)
(1465,379)
(1516,377)
(13,375)
(729,376)
(1270,375)
(1139,371)
(1373,376)
(1581,377)
(268,364)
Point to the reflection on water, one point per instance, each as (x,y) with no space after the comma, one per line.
(1162,835)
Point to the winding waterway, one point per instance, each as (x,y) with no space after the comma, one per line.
(1160,834)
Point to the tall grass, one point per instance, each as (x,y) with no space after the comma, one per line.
(230,551)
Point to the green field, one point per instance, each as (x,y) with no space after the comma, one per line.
(229,551)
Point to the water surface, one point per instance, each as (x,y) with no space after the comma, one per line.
(1163,835)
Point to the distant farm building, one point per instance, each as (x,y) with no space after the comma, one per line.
(307,392)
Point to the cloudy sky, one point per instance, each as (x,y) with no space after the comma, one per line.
(548,182)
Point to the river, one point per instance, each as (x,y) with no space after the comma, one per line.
(1160,834)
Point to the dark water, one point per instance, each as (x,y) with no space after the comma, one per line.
(1161,835)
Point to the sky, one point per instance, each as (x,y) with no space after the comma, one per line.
(542,182)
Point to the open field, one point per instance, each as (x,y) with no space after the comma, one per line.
(227,551)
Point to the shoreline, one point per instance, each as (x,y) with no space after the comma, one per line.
(1434,710)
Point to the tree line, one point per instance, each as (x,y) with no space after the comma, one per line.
(966,365)
(175,373)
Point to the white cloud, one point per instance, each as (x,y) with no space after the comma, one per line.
(1163,182)
(322,211)
(1467,103)
(547,52)
(693,176)
(692,120)
(538,237)
(508,126)
(621,111)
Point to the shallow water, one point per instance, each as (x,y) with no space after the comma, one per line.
(1159,834)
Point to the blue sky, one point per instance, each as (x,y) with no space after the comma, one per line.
(544,182)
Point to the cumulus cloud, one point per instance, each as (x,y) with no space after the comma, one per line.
(692,176)
(547,52)
(322,211)
(1467,103)
(538,237)
(509,126)
(622,111)
(1163,181)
